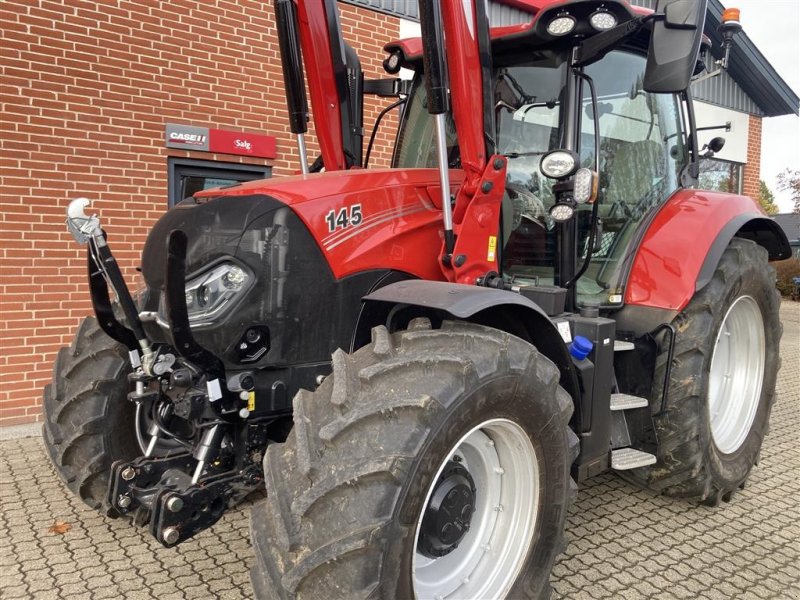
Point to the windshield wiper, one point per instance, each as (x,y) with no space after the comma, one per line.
(520,154)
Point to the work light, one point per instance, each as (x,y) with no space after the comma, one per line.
(561,211)
(602,20)
(584,186)
(558,164)
(561,25)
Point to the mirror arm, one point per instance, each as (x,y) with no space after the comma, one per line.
(727,30)
(726,127)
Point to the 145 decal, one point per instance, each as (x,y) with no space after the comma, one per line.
(349,216)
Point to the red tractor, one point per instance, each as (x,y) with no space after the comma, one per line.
(422,362)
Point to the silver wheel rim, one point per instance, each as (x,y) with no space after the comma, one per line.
(736,375)
(501,459)
(164,446)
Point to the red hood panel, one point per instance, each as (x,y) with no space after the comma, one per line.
(399,223)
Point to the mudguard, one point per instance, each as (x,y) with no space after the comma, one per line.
(469,302)
(683,245)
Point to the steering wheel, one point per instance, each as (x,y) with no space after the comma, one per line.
(526,204)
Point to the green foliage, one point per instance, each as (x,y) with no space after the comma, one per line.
(786,270)
(789,181)
(766,198)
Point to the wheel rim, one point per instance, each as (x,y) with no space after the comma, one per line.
(736,375)
(502,462)
(164,446)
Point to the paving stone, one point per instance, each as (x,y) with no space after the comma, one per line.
(624,542)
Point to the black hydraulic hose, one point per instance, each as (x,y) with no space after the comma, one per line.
(108,264)
(382,114)
(593,221)
(158,419)
(668,370)
(177,314)
(596,120)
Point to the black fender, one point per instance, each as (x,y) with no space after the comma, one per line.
(762,230)
(504,310)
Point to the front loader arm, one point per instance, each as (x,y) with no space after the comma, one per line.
(470,247)
(324,57)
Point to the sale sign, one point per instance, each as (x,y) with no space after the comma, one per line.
(203,139)
(245,144)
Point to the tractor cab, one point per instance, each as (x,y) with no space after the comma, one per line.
(639,155)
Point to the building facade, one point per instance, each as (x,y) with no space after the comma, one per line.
(88,92)
(136,104)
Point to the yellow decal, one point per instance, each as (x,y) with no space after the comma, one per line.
(251,402)
(490,255)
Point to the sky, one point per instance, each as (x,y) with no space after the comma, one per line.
(774,27)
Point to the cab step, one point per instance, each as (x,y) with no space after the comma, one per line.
(626,401)
(630,458)
(623,346)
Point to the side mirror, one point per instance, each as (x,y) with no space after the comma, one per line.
(674,45)
(715,145)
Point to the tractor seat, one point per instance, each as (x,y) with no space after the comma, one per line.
(635,169)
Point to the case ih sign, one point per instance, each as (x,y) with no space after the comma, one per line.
(189,137)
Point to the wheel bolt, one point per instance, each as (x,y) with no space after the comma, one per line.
(171,535)
(175,504)
(124,501)
(128,473)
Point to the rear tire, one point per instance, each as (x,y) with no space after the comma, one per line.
(346,490)
(89,422)
(717,414)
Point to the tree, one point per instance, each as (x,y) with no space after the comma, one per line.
(789,181)
(766,198)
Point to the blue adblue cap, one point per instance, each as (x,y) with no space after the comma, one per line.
(580,347)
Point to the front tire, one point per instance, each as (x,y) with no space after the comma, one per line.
(722,384)
(88,420)
(398,421)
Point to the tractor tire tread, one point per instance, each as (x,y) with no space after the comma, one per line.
(87,394)
(682,470)
(304,547)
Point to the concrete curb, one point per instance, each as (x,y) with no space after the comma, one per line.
(16,432)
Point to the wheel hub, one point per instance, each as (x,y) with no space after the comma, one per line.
(449,512)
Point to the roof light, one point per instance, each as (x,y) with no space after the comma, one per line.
(561,25)
(558,164)
(730,14)
(602,20)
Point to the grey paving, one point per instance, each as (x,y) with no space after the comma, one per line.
(623,542)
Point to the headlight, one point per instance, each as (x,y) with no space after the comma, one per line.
(558,164)
(561,25)
(212,292)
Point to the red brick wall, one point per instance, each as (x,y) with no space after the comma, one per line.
(87,88)
(752,169)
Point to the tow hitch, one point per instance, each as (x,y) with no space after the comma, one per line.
(215,461)
(159,491)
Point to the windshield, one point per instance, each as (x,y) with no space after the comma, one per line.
(641,153)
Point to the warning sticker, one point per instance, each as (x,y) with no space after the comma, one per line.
(251,402)
(490,255)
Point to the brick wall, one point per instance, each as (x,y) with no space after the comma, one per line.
(87,88)
(752,169)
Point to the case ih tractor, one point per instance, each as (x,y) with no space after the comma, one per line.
(420,363)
